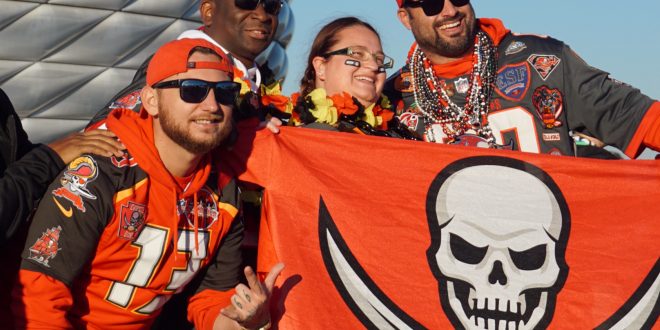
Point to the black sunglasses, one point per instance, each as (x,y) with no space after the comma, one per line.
(195,90)
(271,7)
(433,7)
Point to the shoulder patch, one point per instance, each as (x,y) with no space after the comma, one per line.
(46,246)
(123,161)
(132,216)
(403,83)
(544,64)
(128,101)
(515,48)
(513,81)
(77,175)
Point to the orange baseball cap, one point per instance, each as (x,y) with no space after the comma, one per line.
(172,58)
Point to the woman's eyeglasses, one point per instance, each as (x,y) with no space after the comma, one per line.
(270,6)
(362,54)
(196,91)
(433,7)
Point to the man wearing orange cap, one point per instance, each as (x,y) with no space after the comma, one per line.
(472,82)
(242,28)
(116,237)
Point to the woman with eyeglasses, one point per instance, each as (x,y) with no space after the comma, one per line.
(341,87)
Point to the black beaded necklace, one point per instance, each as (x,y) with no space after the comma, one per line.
(434,103)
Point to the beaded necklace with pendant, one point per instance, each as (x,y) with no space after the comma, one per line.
(434,103)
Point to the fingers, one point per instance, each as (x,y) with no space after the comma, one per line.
(253,281)
(269,282)
(106,140)
(245,307)
(273,124)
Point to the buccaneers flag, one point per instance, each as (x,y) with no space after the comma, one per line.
(392,234)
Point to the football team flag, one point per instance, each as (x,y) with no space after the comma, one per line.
(382,233)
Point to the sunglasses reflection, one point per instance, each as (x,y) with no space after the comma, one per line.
(196,90)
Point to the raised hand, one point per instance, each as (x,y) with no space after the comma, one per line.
(250,305)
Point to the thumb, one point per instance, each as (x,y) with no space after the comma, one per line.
(272,276)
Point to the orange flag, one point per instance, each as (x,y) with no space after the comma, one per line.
(391,234)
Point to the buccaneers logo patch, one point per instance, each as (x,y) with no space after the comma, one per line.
(549,104)
(129,101)
(404,83)
(132,220)
(544,64)
(46,247)
(207,209)
(78,174)
(123,161)
(513,81)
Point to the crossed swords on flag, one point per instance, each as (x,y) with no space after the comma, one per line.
(376,311)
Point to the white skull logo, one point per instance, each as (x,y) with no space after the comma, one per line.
(496,253)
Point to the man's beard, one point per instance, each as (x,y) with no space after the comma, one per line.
(182,137)
(452,48)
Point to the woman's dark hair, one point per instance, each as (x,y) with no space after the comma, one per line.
(326,39)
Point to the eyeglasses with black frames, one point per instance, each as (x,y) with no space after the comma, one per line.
(433,7)
(362,54)
(196,90)
(271,7)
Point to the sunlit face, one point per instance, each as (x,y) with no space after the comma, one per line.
(365,82)
(199,127)
(449,34)
(244,33)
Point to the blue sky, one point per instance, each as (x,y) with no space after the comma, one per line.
(619,37)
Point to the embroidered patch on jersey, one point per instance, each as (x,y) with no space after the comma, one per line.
(46,246)
(462,85)
(132,220)
(410,119)
(513,81)
(549,104)
(207,209)
(123,161)
(544,64)
(551,137)
(449,87)
(78,174)
(515,48)
(403,83)
(128,101)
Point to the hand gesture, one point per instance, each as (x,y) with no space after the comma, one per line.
(99,141)
(273,124)
(250,305)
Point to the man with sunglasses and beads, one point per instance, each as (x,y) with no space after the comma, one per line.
(241,28)
(116,237)
(472,82)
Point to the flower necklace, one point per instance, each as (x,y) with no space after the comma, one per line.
(319,107)
(434,103)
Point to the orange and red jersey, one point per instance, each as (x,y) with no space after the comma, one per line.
(114,238)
